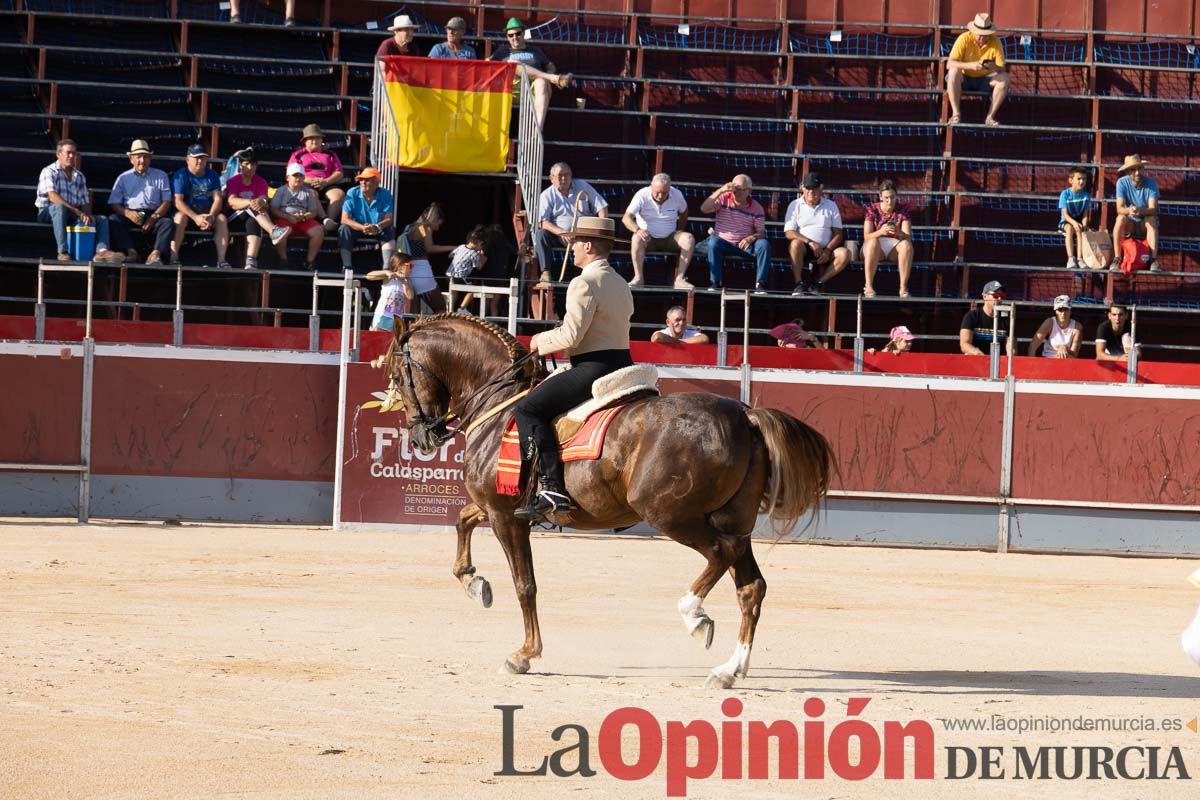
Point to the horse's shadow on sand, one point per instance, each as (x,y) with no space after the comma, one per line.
(1048,683)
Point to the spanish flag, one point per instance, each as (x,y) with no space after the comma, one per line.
(448,115)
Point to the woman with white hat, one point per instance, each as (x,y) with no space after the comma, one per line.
(1059,336)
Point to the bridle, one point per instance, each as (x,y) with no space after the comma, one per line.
(431,432)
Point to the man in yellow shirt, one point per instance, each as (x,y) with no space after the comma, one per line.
(976,64)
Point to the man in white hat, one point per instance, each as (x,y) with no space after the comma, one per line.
(403,29)
(595,333)
(140,199)
(976,64)
(1137,207)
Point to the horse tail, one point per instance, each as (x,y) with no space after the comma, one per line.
(800,464)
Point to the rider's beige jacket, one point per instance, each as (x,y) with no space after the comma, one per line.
(599,307)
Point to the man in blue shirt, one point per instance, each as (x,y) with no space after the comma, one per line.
(368,211)
(1137,208)
(453,47)
(198,200)
(556,207)
(140,200)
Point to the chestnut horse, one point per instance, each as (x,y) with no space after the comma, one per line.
(695,466)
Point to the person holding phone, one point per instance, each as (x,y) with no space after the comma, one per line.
(976,64)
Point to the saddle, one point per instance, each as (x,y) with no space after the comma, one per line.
(581,430)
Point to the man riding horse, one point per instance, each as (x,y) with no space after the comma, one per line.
(595,333)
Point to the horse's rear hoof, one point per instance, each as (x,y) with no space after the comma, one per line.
(481,591)
(719,679)
(704,630)
(516,665)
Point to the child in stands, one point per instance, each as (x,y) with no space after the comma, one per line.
(1075,208)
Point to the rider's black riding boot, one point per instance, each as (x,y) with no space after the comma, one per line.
(551,496)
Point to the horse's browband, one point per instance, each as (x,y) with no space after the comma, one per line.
(494,410)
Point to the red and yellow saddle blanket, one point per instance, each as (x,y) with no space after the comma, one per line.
(585,444)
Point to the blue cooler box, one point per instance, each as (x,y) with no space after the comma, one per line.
(81,242)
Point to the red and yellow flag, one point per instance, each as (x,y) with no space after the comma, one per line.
(450,115)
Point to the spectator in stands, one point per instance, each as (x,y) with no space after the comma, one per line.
(197,189)
(1075,210)
(403,29)
(1137,208)
(739,229)
(792,335)
(140,199)
(296,205)
(369,211)
(1114,340)
(813,227)
(900,341)
(887,234)
(657,218)
(417,241)
(289,12)
(557,207)
(467,260)
(454,47)
(533,62)
(246,194)
(1059,336)
(976,64)
(63,198)
(677,330)
(322,171)
(975,332)
(396,289)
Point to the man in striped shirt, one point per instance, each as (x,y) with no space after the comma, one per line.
(739,229)
(63,200)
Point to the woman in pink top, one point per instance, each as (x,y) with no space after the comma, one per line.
(247,192)
(322,171)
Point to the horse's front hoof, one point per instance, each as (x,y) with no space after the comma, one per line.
(480,591)
(704,630)
(516,665)
(720,679)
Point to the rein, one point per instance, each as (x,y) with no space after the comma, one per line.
(469,406)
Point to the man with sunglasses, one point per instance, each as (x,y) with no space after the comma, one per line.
(975,332)
(368,211)
(534,63)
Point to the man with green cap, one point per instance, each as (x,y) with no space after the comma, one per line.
(534,63)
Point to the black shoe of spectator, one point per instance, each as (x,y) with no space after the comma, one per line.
(799,290)
(310,266)
(816,288)
(716,287)
(236,19)
(290,22)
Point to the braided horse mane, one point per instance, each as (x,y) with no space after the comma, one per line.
(511,344)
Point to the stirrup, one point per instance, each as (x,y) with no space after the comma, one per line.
(547,501)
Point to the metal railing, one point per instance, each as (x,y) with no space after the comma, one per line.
(530,155)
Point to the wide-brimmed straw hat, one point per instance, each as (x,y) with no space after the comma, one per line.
(595,228)
(982,25)
(403,23)
(139,146)
(1132,162)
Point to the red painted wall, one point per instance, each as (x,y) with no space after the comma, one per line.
(40,419)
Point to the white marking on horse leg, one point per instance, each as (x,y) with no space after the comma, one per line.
(692,611)
(724,675)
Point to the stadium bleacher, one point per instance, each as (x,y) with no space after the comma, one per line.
(701,98)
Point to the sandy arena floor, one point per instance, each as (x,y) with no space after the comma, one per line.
(146,661)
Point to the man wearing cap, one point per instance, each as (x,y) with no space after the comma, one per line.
(1137,208)
(556,206)
(140,199)
(677,330)
(296,206)
(1059,336)
(813,228)
(453,47)
(533,62)
(976,64)
(322,171)
(368,211)
(975,332)
(197,189)
(595,333)
(400,44)
(246,193)
(63,198)
(739,229)
(657,218)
